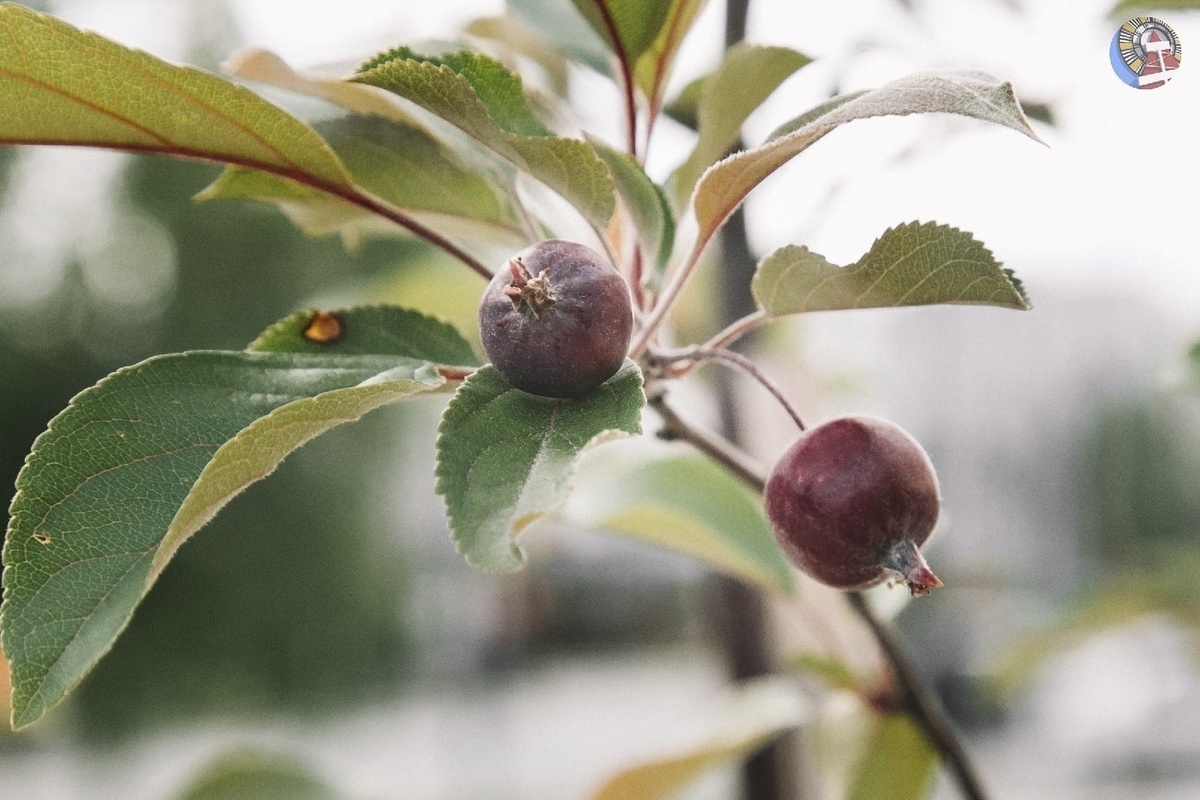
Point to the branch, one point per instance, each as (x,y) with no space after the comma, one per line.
(918,700)
(713,446)
(694,355)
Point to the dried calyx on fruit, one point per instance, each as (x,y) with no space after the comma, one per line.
(851,501)
(556,319)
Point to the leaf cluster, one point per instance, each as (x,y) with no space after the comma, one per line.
(453,148)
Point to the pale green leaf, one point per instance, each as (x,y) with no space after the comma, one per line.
(646,203)
(655,65)
(263,66)
(833,671)
(746,77)
(762,711)
(401,164)
(483,99)
(372,330)
(630,27)
(687,505)
(1125,8)
(134,466)
(561,23)
(60,85)
(972,94)
(898,762)
(909,265)
(505,457)
(251,775)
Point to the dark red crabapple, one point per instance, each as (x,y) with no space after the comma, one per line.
(851,501)
(556,319)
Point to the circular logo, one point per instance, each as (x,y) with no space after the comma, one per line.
(1145,53)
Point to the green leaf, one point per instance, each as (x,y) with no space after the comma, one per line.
(372,330)
(519,39)
(909,265)
(59,85)
(1128,7)
(402,164)
(257,776)
(833,671)
(747,76)
(264,66)
(646,203)
(506,458)
(484,100)
(972,94)
(688,505)
(762,711)
(561,23)
(655,65)
(498,89)
(630,27)
(133,467)
(898,763)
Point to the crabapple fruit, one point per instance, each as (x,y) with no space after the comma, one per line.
(850,502)
(556,319)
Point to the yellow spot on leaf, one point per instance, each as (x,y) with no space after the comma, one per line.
(325,327)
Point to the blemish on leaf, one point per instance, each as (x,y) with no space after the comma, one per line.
(325,327)
(41,538)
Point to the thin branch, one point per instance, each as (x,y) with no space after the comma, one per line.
(666,301)
(712,445)
(737,361)
(920,703)
(636,274)
(736,330)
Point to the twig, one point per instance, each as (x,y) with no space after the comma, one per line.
(713,446)
(918,701)
(921,703)
(738,361)
(737,329)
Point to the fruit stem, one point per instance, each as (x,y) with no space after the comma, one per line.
(735,360)
(920,703)
(904,559)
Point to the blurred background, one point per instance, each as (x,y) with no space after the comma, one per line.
(325,615)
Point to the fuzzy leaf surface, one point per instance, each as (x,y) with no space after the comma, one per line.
(483,99)
(690,506)
(506,458)
(630,27)
(139,462)
(972,94)
(763,710)
(646,203)
(909,265)
(402,164)
(60,85)
(746,77)
(898,762)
